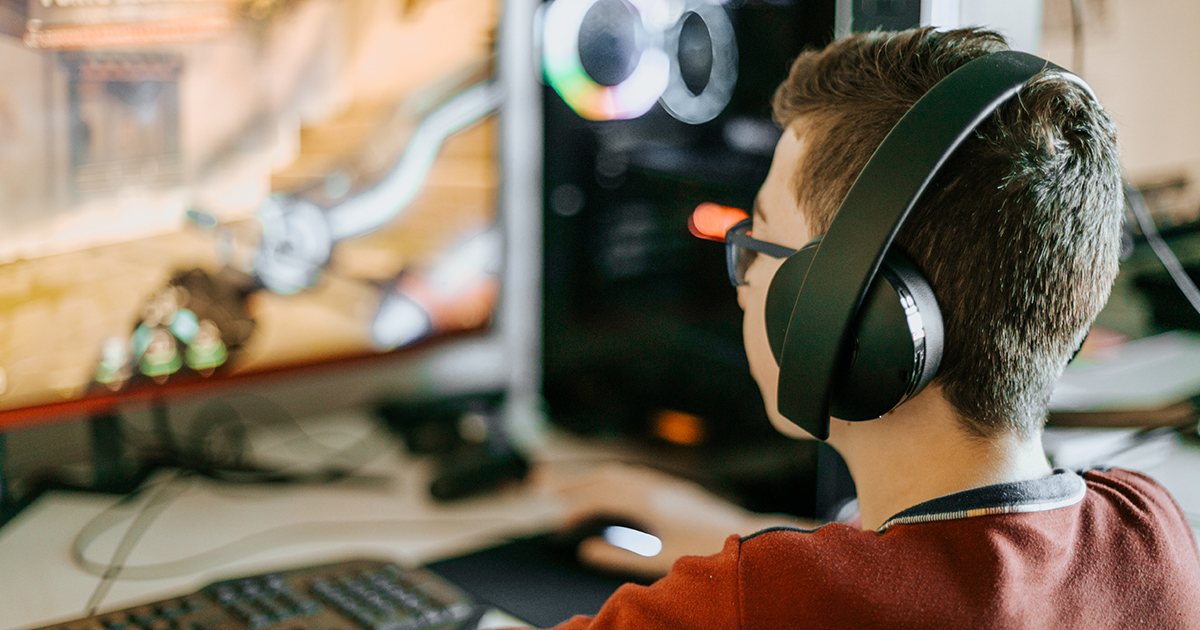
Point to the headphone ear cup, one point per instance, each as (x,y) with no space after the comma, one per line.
(897,344)
(897,338)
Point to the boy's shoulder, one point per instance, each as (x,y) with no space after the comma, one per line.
(1088,550)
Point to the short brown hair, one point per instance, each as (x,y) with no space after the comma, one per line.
(1018,233)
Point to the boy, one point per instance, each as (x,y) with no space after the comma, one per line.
(964,524)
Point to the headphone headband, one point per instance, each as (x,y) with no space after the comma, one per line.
(816,340)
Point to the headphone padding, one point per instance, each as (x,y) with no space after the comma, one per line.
(781,295)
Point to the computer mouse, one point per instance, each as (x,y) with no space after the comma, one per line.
(615,530)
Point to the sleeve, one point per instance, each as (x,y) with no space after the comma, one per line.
(700,593)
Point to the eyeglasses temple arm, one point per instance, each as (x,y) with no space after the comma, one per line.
(741,239)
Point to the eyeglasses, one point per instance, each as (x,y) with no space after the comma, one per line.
(732,226)
(741,250)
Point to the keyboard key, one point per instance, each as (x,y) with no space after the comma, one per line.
(160,623)
(226,594)
(276,583)
(354,595)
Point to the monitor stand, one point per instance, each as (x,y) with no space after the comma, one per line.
(113,472)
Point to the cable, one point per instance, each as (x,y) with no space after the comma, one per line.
(229,467)
(1137,204)
(258,542)
(339,465)
(154,506)
(1077,37)
(218,447)
(354,456)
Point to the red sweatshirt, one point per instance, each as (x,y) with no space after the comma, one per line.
(1105,550)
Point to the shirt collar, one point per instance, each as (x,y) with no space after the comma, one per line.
(1061,489)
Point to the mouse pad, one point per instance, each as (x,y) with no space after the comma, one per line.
(532,579)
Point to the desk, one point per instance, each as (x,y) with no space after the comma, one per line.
(395,520)
(39,584)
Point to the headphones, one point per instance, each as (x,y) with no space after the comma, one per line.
(854,326)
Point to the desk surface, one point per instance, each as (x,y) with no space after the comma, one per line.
(388,515)
(391,518)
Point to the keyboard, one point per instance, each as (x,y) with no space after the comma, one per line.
(350,595)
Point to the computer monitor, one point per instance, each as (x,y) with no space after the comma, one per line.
(323,199)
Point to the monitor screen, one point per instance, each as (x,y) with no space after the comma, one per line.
(198,191)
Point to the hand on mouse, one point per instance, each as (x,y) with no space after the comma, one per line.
(688,519)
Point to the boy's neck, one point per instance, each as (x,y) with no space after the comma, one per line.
(920,452)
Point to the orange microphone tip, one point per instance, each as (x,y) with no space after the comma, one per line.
(711,221)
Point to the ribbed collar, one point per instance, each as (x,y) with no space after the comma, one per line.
(1061,489)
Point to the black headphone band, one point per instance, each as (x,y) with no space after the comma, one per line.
(833,285)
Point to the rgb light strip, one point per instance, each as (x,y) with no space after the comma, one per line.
(564,70)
